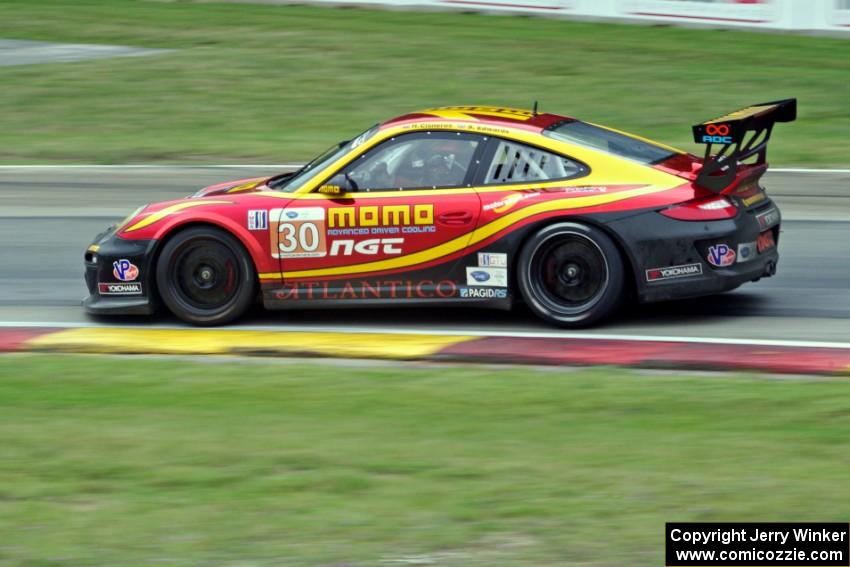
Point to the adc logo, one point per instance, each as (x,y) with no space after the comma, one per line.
(124,270)
(721,255)
(717,134)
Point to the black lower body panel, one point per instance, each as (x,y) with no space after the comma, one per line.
(119,276)
(675,259)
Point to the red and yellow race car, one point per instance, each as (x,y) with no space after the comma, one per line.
(459,205)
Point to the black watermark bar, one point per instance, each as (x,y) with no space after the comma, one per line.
(810,544)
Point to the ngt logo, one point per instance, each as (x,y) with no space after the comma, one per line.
(372,246)
(717,134)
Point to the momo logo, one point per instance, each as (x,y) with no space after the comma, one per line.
(717,134)
(133,288)
(124,270)
(380,215)
(671,272)
(721,255)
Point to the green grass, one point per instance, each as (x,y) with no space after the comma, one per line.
(122,461)
(260,83)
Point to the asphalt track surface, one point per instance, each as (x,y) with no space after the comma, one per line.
(48,216)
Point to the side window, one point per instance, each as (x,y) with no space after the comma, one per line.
(514,162)
(421,160)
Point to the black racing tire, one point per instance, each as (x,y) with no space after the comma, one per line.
(571,274)
(205,276)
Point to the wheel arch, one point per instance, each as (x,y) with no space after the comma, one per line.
(175,229)
(628,259)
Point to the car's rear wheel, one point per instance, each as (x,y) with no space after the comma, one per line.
(205,276)
(571,274)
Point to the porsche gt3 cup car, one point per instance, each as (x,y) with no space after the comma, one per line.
(461,205)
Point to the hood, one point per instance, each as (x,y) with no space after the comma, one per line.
(231,187)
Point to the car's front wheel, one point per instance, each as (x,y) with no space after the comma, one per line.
(571,274)
(205,276)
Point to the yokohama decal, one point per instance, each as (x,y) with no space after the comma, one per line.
(130,288)
(672,272)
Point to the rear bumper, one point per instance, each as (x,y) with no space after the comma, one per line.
(108,294)
(675,259)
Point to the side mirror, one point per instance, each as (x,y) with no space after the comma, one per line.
(336,185)
(330,190)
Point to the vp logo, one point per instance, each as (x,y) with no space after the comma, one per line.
(721,255)
(124,270)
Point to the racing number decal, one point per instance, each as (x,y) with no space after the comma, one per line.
(298,233)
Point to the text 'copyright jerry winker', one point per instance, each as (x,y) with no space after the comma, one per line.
(757,544)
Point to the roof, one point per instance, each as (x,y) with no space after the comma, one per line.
(491,115)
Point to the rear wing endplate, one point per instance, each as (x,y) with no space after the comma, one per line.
(741,135)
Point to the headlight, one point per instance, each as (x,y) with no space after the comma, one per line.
(130,217)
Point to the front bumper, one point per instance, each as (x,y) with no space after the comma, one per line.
(110,295)
(672,258)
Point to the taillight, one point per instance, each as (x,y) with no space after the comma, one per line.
(713,208)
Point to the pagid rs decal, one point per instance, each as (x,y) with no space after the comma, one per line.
(482,293)
(368,289)
(673,272)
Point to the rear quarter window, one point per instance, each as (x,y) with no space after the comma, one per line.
(609,141)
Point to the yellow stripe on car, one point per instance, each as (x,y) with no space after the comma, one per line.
(170,210)
(464,112)
(465,240)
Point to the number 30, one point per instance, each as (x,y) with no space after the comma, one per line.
(307,233)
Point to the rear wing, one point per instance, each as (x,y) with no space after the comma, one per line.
(741,135)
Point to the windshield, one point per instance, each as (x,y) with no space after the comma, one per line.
(294,182)
(609,141)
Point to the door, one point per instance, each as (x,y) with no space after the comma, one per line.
(402,219)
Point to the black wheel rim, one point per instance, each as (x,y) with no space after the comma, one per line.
(205,274)
(569,273)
